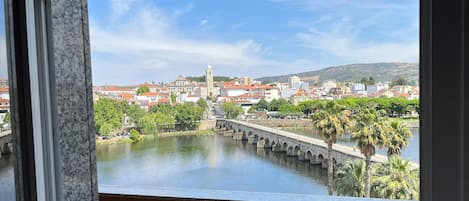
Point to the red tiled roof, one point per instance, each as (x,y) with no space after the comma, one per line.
(4,89)
(163,100)
(126,96)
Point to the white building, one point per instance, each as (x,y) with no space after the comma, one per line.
(329,84)
(358,88)
(294,82)
(376,87)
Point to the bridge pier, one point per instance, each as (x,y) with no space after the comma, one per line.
(228,133)
(252,139)
(260,143)
(238,136)
(301,156)
(276,148)
(291,152)
(315,161)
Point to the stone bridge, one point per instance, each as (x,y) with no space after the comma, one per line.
(303,147)
(5,142)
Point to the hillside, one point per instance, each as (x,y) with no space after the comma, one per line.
(353,72)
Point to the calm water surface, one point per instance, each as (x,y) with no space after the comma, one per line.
(7,186)
(203,162)
(206,162)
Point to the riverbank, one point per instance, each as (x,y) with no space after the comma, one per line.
(125,139)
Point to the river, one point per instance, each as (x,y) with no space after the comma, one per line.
(201,162)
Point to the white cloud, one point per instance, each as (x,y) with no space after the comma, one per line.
(352,49)
(148,41)
(120,7)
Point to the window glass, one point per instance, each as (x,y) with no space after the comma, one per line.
(7,181)
(207,98)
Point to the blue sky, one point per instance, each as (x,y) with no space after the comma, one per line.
(134,41)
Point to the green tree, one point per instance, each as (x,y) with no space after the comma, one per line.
(276,103)
(147,124)
(331,120)
(398,138)
(350,179)
(7,117)
(105,129)
(370,131)
(371,81)
(173,98)
(163,120)
(202,103)
(252,109)
(399,81)
(262,105)
(134,112)
(142,89)
(163,108)
(135,136)
(231,110)
(289,109)
(396,179)
(107,113)
(188,115)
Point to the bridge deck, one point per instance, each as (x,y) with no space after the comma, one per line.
(305,139)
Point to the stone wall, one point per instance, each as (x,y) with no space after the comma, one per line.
(207,124)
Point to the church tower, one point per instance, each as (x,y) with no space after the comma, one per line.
(209,81)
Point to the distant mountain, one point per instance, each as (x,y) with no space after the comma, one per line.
(354,72)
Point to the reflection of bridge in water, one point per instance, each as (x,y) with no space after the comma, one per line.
(5,142)
(303,147)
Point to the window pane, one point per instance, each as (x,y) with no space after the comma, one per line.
(266,98)
(7,180)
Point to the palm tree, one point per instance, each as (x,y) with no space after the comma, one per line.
(370,131)
(396,179)
(398,138)
(350,179)
(331,120)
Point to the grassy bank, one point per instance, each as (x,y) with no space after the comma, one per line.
(116,140)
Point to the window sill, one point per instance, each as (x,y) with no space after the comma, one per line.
(113,193)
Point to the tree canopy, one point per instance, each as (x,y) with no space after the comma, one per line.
(142,89)
(231,110)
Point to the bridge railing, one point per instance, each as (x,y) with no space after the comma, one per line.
(347,150)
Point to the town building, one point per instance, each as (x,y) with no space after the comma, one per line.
(294,82)
(182,85)
(300,96)
(358,88)
(376,87)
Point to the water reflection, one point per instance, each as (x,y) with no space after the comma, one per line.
(206,162)
(7,184)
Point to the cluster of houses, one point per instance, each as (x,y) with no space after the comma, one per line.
(246,92)
(4,99)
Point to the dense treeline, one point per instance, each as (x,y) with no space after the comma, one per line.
(395,107)
(110,115)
